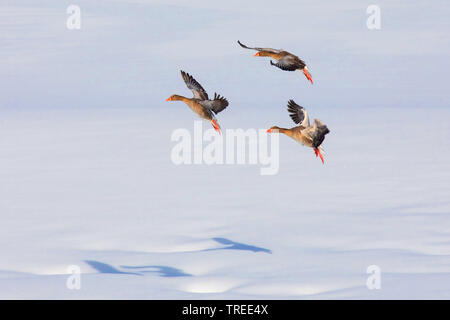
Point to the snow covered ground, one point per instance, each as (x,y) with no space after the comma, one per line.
(97,189)
(86,177)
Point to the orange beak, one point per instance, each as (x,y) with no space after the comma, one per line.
(269,130)
(307,75)
(169,99)
(256,54)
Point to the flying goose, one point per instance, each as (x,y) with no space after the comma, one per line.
(286,61)
(200,103)
(308,135)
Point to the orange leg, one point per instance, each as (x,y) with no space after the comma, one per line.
(216,126)
(308,75)
(317,151)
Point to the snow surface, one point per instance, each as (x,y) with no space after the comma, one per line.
(86,176)
(97,189)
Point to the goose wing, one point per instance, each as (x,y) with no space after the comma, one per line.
(289,63)
(194,86)
(317,132)
(259,49)
(216,105)
(298,114)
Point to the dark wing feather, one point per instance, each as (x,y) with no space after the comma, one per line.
(319,133)
(194,86)
(216,105)
(219,103)
(298,114)
(259,49)
(289,63)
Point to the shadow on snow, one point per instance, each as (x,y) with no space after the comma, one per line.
(231,245)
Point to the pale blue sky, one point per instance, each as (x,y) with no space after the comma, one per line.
(129,53)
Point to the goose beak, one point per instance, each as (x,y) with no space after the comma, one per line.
(256,54)
(269,130)
(169,99)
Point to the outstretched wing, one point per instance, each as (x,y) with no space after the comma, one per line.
(289,63)
(317,132)
(259,49)
(216,105)
(298,114)
(197,89)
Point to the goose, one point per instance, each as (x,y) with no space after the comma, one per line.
(200,103)
(286,61)
(308,135)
